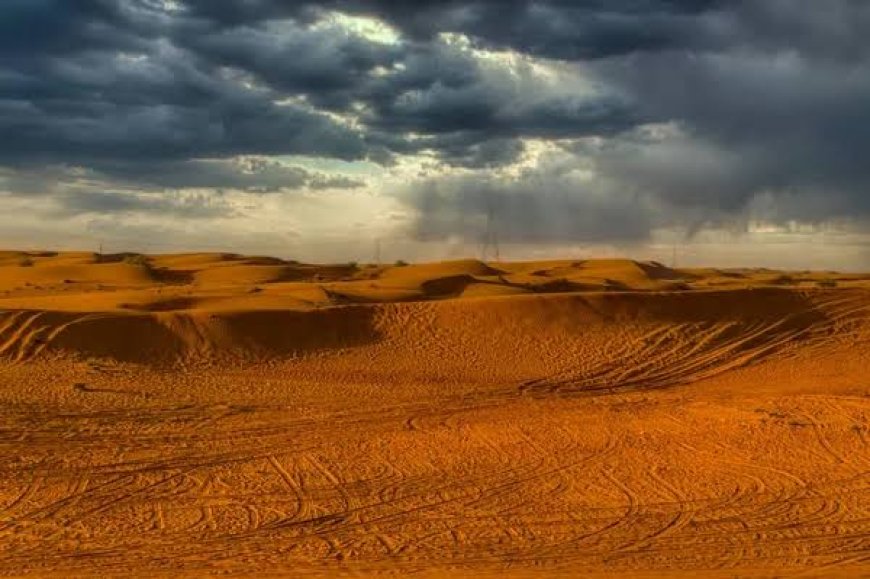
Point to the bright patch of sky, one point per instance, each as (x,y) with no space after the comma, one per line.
(369,28)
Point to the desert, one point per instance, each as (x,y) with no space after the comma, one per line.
(198,414)
(435,288)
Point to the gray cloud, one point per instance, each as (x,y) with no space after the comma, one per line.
(176,85)
(252,174)
(546,205)
(480,155)
(567,29)
(199,206)
(695,111)
(749,124)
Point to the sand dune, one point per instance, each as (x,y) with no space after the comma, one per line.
(217,413)
(179,328)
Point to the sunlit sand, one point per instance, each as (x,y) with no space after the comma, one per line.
(210,413)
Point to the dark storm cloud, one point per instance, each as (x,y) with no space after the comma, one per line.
(490,103)
(60,27)
(107,106)
(486,154)
(583,29)
(134,80)
(769,107)
(114,85)
(748,125)
(430,89)
(326,65)
(250,174)
(254,174)
(74,203)
(568,29)
(758,100)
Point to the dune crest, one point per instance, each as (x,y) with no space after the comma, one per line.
(166,309)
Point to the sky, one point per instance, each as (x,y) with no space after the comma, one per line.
(715,132)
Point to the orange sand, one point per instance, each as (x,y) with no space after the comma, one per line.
(213,413)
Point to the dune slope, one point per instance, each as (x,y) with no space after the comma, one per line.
(248,416)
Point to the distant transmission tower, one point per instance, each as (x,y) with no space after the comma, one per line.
(490,237)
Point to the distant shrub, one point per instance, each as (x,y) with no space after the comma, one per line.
(352,264)
(826,283)
(400,263)
(25,262)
